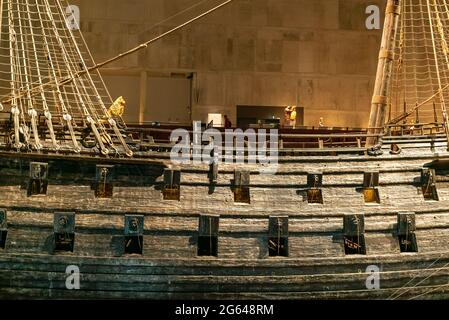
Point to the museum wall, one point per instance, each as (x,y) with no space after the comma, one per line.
(317,54)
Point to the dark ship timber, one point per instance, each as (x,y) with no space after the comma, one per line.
(340,206)
(311,264)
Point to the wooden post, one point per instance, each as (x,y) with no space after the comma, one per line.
(384,69)
(389,111)
(417,115)
(143,96)
(435,114)
(321,143)
(405,112)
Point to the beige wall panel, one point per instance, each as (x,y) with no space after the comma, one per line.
(315,53)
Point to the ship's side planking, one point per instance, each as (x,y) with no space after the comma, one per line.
(314,264)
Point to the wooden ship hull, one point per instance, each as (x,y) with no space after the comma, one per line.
(315,265)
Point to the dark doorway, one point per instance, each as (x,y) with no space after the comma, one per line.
(133,244)
(64,242)
(407,243)
(208,235)
(3,234)
(208,246)
(355,244)
(278,237)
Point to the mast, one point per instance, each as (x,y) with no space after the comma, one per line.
(15,111)
(384,70)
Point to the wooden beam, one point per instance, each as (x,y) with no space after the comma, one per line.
(384,70)
(143,96)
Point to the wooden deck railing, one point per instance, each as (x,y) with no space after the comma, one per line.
(303,140)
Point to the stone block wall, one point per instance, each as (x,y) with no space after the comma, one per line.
(317,54)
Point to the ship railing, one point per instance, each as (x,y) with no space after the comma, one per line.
(285,144)
(414,130)
(335,141)
(164,133)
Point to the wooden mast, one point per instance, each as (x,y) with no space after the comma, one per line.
(384,69)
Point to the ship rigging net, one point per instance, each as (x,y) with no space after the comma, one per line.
(39,53)
(419,87)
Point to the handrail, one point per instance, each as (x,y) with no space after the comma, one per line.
(436,124)
(285,135)
(330,135)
